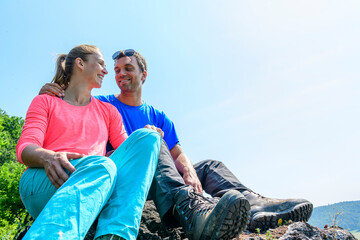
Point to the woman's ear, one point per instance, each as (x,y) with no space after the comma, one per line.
(79,63)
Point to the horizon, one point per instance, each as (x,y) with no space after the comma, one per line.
(269,88)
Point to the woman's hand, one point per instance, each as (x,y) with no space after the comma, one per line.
(155,129)
(54,163)
(54,167)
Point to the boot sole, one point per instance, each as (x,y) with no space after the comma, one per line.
(266,220)
(228,219)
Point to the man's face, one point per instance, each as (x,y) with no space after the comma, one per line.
(128,75)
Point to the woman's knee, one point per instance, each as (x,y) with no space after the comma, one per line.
(108,164)
(97,163)
(149,134)
(147,139)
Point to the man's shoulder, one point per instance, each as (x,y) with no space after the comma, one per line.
(105,98)
(152,108)
(104,105)
(155,111)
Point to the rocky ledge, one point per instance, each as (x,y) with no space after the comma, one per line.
(152,229)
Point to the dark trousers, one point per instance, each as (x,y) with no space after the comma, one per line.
(216,179)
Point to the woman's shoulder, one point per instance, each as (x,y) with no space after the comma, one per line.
(44,98)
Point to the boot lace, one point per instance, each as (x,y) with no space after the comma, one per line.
(195,204)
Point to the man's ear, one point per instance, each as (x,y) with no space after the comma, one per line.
(143,76)
(79,63)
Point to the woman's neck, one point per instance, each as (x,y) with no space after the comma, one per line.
(77,94)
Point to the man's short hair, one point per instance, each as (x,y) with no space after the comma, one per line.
(139,58)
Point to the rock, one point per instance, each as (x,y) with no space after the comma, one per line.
(152,229)
(301,230)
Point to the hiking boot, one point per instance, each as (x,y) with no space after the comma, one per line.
(267,212)
(110,237)
(204,219)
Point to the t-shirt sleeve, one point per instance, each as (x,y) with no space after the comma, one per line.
(170,135)
(35,126)
(117,133)
(103,98)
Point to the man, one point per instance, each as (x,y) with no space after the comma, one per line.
(178,185)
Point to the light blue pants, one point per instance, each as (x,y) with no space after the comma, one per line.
(114,189)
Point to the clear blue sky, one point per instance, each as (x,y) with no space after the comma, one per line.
(271,88)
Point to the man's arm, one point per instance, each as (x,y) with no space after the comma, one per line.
(185,167)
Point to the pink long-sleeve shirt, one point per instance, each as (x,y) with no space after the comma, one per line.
(56,125)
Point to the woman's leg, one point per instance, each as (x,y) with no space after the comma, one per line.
(35,190)
(135,160)
(75,205)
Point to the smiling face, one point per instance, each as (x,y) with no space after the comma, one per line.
(128,75)
(94,69)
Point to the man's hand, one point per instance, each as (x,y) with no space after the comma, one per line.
(54,167)
(155,129)
(185,167)
(52,89)
(191,178)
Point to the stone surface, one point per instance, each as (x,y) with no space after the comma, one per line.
(152,229)
(301,230)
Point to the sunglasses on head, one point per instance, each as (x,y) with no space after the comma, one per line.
(127,52)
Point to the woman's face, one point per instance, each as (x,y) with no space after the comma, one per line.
(94,69)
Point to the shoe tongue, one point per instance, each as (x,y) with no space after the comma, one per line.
(200,201)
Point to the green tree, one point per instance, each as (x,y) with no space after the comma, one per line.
(11,206)
(10,131)
(13,215)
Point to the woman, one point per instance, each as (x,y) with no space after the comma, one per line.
(69,182)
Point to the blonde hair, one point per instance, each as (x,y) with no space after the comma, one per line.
(65,63)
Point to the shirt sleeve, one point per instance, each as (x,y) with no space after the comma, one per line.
(170,135)
(117,133)
(103,98)
(35,126)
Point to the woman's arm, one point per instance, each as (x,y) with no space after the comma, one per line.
(29,149)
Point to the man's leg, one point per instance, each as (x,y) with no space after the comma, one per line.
(217,179)
(200,218)
(166,183)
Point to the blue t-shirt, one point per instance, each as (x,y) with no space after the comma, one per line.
(139,116)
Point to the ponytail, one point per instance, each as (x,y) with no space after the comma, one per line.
(60,76)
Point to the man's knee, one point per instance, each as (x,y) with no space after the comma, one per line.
(209,163)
